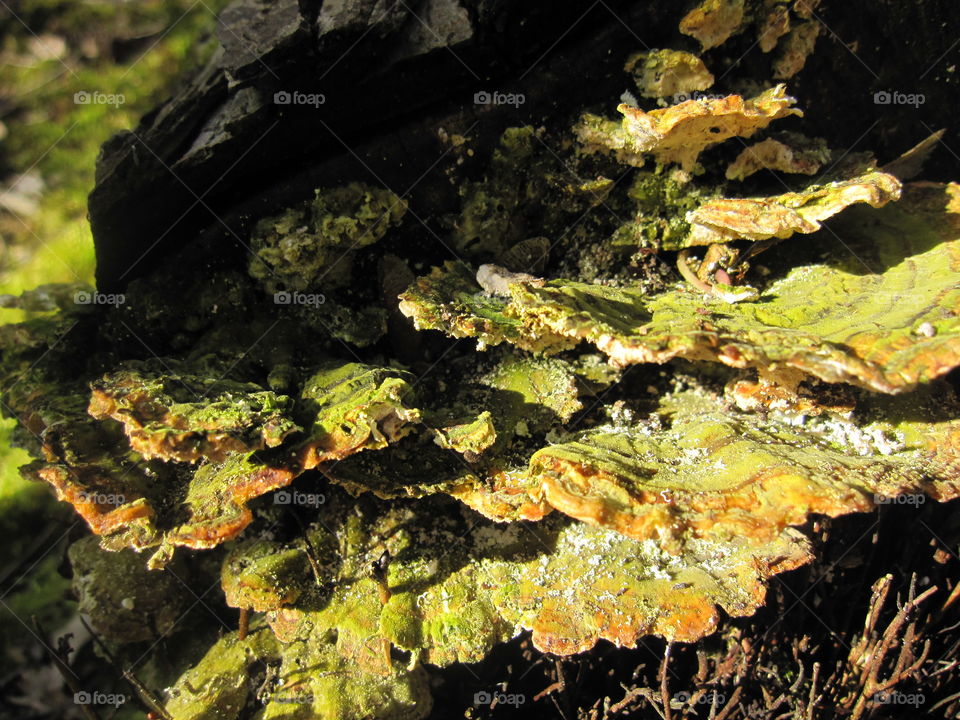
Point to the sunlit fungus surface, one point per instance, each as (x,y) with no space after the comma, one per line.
(393,442)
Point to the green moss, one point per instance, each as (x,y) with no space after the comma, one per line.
(60,139)
(312,246)
(660,206)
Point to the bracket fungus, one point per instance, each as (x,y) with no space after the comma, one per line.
(712,22)
(188,418)
(725,219)
(790,153)
(663,73)
(679,133)
(473,491)
(854,329)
